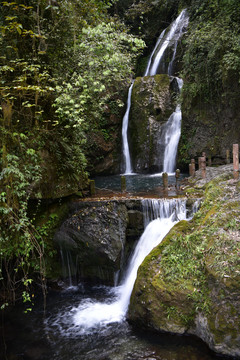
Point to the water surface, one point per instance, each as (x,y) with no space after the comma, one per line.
(55,336)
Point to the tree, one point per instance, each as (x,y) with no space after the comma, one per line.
(103,62)
(47,110)
(211,65)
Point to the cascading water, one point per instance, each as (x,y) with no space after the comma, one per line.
(168,39)
(172,136)
(126,153)
(68,266)
(147,71)
(160,216)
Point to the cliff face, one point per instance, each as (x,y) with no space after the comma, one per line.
(190,283)
(208,129)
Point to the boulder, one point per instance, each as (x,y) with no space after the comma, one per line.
(95,235)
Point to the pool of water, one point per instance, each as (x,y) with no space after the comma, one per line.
(137,184)
(55,336)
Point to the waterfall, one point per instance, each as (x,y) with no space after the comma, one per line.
(168,39)
(147,72)
(69,267)
(157,208)
(160,216)
(172,136)
(126,153)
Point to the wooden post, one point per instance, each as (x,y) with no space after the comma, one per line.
(190,169)
(92,187)
(227,156)
(209,160)
(199,163)
(203,166)
(193,167)
(165,180)
(204,157)
(235,161)
(177,176)
(123,183)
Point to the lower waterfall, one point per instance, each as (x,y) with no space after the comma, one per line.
(159,218)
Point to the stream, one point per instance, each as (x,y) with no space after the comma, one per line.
(53,337)
(84,322)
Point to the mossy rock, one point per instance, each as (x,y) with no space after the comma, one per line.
(152,104)
(191,281)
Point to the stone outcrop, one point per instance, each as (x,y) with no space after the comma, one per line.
(151,106)
(190,283)
(95,236)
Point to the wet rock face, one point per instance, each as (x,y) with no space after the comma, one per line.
(190,283)
(210,130)
(95,237)
(152,104)
(96,234)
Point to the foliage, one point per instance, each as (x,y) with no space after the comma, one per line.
(211,65)
(21,246)
(62,64)
(103,60)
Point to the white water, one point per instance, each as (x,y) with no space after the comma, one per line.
(92,314)
(167,39)
(126,153)
(147,72)
(172,136)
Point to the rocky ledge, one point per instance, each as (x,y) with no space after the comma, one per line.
(190,283)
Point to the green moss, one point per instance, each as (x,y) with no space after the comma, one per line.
(196,268)
(151,102)
(221,327)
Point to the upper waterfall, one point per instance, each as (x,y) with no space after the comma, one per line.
(168,39)
(172,129)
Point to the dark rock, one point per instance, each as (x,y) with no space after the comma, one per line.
(135,223)
(95,234)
